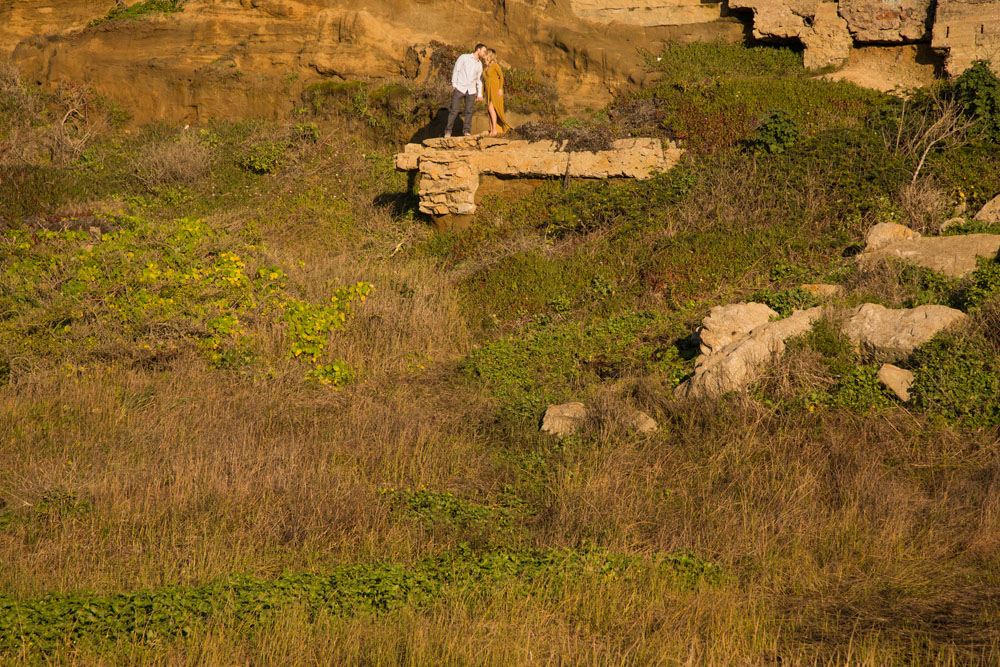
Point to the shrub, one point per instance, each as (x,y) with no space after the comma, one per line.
(140,9)
(985,282)
(524,92)
(978,89)
(785,301)
(264,158)
(181,161)
(776,133)
(958,378)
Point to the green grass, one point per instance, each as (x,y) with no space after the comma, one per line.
(35,627)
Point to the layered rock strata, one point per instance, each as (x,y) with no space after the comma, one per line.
(240,58)
(967,30)
(450,169)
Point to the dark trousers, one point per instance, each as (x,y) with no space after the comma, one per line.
(456,104)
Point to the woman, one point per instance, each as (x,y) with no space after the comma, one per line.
(494,94)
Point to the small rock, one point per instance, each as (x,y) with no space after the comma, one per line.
(951,222)
(895,333)
(888,233)
(725,324)
(640,422)
(823,290)
(899,380)
(565,419)
(991,212)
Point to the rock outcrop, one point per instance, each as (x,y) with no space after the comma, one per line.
(640,422)
(738,364)
(991,212)
(817,25)
(893,334)
(898,380)
(887,20)
(725,324)
(450,169)
(885,234)
(954,256)
(565,419)
(647,12)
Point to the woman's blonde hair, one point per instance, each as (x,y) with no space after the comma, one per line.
(491,57)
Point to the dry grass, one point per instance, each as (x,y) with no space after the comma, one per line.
(184,161)
(843,539)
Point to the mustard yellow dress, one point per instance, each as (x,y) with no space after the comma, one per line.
(494,84)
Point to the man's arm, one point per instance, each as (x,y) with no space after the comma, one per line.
(479,83)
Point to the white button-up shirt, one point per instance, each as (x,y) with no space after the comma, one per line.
(466,77)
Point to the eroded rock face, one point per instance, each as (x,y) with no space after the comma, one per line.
(818,25)
(893,334)
(565,419)
(450,169)
(239,58)
(738,364)
(887,20)
(647,12)
(968,30)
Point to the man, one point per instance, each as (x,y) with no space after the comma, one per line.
(467,85)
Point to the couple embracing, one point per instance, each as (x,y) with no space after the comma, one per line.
(467,86)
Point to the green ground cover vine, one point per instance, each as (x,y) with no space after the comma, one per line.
(56,620)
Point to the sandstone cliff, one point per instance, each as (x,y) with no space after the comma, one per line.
(233,58)
(236,58)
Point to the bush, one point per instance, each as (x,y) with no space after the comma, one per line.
(181,161)
(140,9)
(264,158)
(785,301)
(985,283)
(776,133)
(958,378)
(978,89)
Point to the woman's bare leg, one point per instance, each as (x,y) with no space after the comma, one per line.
(493,120)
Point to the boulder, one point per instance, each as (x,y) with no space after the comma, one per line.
(640,422)
(991,212)
(953,256)
(725,324)
(898,380)
(565,419)
(741,362)
(894,334)
(887,20)
(888,233)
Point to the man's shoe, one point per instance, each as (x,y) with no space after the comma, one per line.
(447,134)
(467,134)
